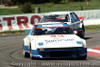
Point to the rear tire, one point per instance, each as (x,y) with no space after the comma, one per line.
(83,32)
(31,56)
(82,35)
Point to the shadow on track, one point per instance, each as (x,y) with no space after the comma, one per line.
(86,38)
(59,59)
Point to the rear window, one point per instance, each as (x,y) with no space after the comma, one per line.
(51,30)
(56,18)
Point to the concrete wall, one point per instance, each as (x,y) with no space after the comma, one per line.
(89,14)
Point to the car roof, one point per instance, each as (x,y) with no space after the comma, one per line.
(58,13)
(51,23)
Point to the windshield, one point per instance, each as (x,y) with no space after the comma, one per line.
(55,18)
(53,30)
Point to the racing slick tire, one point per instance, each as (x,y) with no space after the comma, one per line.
(83,32)
(26,55)
(31,56)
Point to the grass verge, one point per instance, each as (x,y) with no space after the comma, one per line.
(92,27)
(13,32)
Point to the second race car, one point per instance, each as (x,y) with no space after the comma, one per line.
(66,17)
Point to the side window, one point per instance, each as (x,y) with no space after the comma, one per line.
(44,19)
(77,19)
(67,18)
(74,17)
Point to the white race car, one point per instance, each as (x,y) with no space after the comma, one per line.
(54,40)
(66,16)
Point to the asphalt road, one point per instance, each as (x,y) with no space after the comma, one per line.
(11,47)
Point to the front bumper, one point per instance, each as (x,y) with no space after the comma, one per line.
(59,53)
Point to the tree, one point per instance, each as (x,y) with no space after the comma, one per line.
(26,8)
(76,0)
(38,1)
(55,1)
(7,2)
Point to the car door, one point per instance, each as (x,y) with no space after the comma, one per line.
(75,21)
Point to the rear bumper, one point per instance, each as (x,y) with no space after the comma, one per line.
(59,53)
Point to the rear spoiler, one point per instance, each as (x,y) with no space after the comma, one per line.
(81,17)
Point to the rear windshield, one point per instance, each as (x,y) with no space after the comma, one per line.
(55,18)
(53,30)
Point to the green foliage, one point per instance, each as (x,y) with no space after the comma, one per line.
(51,7)
(76,0)
(55,1)
(26,8)
(14,2)
(38,1)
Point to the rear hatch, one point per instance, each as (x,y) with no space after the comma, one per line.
(58,41)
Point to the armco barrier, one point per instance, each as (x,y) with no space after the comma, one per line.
(18,22)
(92,22)
(92,17)
(89,14)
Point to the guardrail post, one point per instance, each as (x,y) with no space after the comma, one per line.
(37,10)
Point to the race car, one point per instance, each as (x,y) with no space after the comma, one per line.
(53,40)
(70,18)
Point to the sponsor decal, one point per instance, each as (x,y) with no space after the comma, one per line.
(78,42)
(40,44)
(59,40)
(18,22)
(26,48)
(53,26)
(57,35)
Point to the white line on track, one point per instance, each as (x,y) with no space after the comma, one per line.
(93,50)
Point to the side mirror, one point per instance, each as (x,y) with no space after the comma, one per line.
(27,32)
(75,32)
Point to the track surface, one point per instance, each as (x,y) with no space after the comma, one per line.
(11,47)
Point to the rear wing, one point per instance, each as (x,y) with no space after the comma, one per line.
(81,17)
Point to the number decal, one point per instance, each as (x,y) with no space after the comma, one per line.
(57,36)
